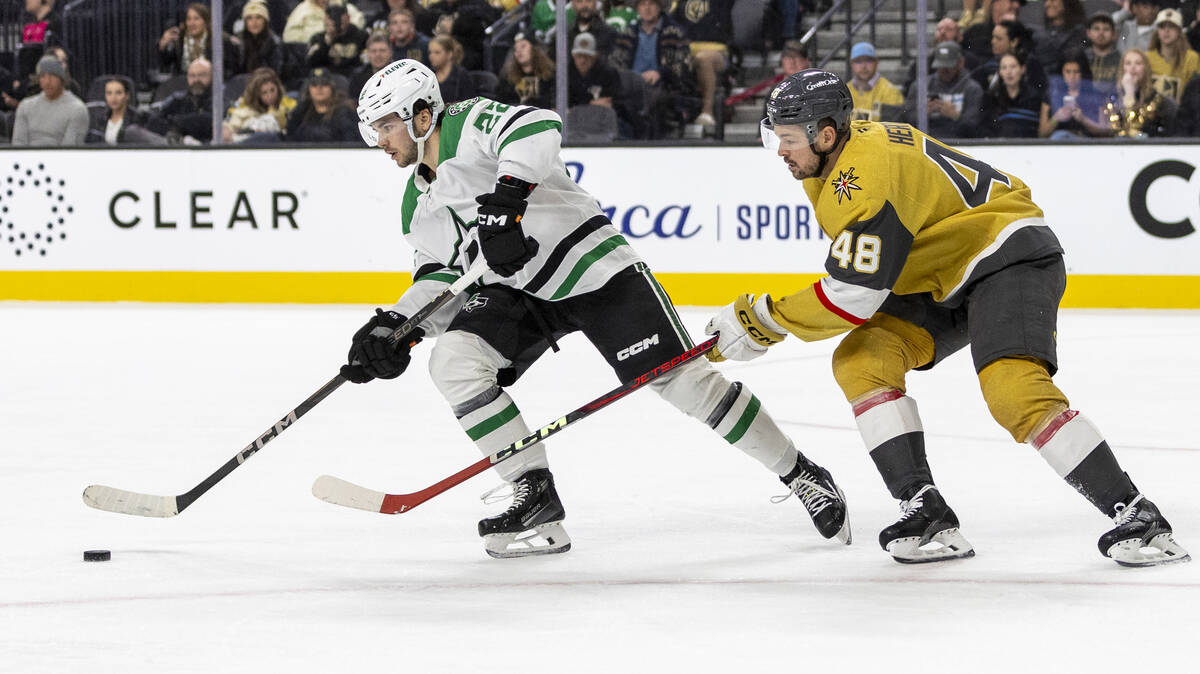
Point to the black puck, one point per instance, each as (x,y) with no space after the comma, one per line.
(96,555)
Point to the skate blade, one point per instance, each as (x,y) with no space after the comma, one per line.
(1159,550)
(946,544)
(544,539)
(844,535)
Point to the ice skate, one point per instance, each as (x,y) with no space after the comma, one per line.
(532,525)
(1142,536)
(927,531)
(822,498)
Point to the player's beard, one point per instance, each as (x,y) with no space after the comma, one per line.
(406,156)
(802,171)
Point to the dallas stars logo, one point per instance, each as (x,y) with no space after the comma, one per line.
(844,183)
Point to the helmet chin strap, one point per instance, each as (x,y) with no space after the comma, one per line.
(823,157)
(420,141)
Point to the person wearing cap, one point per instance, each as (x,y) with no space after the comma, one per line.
(656,48)
(308,19)
(590,81)
(955,100)
(259,45)
(1135,24)
(1172,60)
(402,35)
(54,117)
(324,114)
(870,90)
(527,77)
(340,46)
(588,19)
(708,25)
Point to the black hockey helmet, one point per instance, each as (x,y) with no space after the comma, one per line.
(806,98)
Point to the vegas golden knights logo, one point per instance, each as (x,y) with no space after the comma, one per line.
(695,10)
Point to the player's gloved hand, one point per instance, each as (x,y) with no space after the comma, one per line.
(743,331)
(501,239)
(373,356)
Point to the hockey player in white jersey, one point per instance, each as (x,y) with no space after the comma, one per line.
(489,182)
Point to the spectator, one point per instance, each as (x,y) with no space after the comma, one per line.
(445,55)
(1011,37)
(1062,32)
(1072,109)
(1135,24)
(977,40)
(590,81)
(405,41)
(792,59)
(708,25)
(260,47)
(954,98)
(112,124)
(340,46)
(379,54)
(323,115)
(1192,9)
(527,77)
(59,52)
(1137,110)
(42,28)
(55,116)
(470,19)
(187,115)
(1011,106)
(180,45)
(656,49)
(308,19)
(233,21)
(588,19)
(261,114)
(870,90)
(1103,58)
(946,30)
(1172,61)
(1187,121)
(973,12)
(381,23)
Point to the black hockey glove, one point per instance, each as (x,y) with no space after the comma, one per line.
(372,356)
(501,239)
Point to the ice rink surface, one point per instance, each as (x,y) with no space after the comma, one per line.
(680,563)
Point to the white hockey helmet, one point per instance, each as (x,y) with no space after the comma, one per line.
(397,88)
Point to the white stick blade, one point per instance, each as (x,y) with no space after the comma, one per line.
(129,503)
(340,492)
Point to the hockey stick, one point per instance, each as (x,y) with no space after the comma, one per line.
(150,505)
(340,492)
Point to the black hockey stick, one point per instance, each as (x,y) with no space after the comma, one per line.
(340,492)
(150,505)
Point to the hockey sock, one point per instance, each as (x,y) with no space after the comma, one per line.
(1076,451)
(891,429)
(495,424)
(742,421)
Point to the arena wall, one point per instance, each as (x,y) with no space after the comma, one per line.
(322,225)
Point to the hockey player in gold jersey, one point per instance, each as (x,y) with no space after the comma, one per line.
(931,250)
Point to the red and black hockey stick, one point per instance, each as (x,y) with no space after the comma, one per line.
(150,505)
(340,492)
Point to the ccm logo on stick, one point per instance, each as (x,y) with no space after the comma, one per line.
(635,349)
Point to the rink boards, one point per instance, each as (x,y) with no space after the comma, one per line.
(314,225)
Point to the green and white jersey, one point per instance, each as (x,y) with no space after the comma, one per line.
(481,140)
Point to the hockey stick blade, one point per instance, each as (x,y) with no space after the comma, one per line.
(340,492)
(124,502)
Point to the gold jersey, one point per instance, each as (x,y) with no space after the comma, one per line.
(907,214)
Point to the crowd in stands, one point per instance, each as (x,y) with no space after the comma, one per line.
(637,69)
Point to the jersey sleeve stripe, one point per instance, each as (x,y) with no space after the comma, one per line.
(835,309)
(529,130)
(441,277)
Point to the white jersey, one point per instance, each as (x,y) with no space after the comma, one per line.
(481,140)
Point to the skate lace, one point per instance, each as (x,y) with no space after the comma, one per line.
(517,491)
(911,506)
(1124,514)
(814,497)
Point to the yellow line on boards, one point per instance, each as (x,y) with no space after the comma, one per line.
(1083,291)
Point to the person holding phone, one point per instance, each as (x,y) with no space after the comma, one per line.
(1072,109)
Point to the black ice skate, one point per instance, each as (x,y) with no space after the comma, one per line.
(532,525)
(822,498)
(927,531)
(1142,536)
